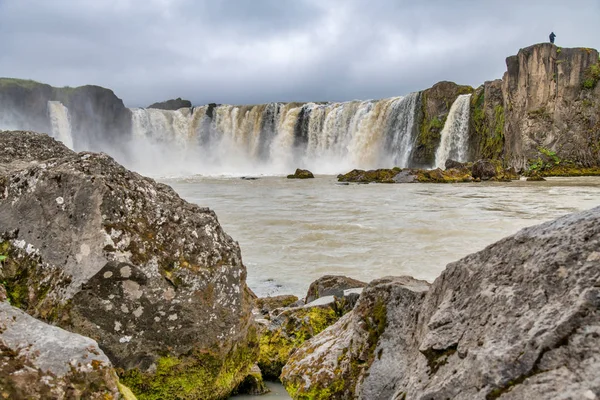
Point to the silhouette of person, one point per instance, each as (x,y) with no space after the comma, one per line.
(552,36)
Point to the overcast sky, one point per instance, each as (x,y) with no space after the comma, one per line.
(256,51)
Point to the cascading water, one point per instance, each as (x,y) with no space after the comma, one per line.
(276,138)
(454,140)
(60,122)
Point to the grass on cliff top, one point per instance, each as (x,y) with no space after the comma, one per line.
(26,83)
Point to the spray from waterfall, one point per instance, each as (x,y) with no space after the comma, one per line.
(454,140)
(60,122)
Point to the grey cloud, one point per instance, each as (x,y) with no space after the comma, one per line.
(241,51)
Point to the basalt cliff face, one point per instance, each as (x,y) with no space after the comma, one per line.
(551,100)
(96,116)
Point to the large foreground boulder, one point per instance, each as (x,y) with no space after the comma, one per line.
(40,361)
(518,320)
(120,258)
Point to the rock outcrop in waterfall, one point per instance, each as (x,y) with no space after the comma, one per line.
(518,320)
(106,253)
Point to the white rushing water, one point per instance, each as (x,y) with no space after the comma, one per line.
(61,123)
(292,232)
(455,134)
(276,138)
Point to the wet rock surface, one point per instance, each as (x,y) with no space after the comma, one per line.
(109,254)
(40,361)
(301,174)
(517,320)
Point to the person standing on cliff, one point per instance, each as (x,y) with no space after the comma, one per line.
(552,36)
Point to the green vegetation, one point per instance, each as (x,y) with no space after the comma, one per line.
(489,134)
(201,374)
(26,83)
(277,345)
(592,76)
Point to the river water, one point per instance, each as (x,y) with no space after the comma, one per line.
(292,232)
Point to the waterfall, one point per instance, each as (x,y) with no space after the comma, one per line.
(60,122)
(454,140)
(276,138)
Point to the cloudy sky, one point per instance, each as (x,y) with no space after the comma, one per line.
(255,51)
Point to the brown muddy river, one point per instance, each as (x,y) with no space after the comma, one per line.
(291,232)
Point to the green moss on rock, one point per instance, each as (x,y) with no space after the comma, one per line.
(198,375)
(291,329)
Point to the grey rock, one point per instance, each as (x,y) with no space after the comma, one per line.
(331,285)
(173,104)
(405,176)
(547,106)
(40,361)
(109,254)
(519,319)
(484,170)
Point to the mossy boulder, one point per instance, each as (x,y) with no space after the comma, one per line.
(443,176)
(120,258)
(370,176)
(486,170)
(287,331)
(301,174)
(334,364)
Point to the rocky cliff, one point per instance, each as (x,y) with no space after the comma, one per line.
(551,101)
(435,104)
(518,320)
(98,117)
(106,253)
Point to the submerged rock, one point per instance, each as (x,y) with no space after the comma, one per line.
(301,174)
(40,361)
(518,320)
(107,253)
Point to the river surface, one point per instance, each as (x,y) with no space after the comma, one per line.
(292,232)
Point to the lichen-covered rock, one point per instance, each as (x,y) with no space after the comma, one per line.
(334,364)
(301,174)
(331,285)
(517,320)
(40,361)
(109,254)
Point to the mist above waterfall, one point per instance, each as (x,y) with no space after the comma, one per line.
(274,138)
